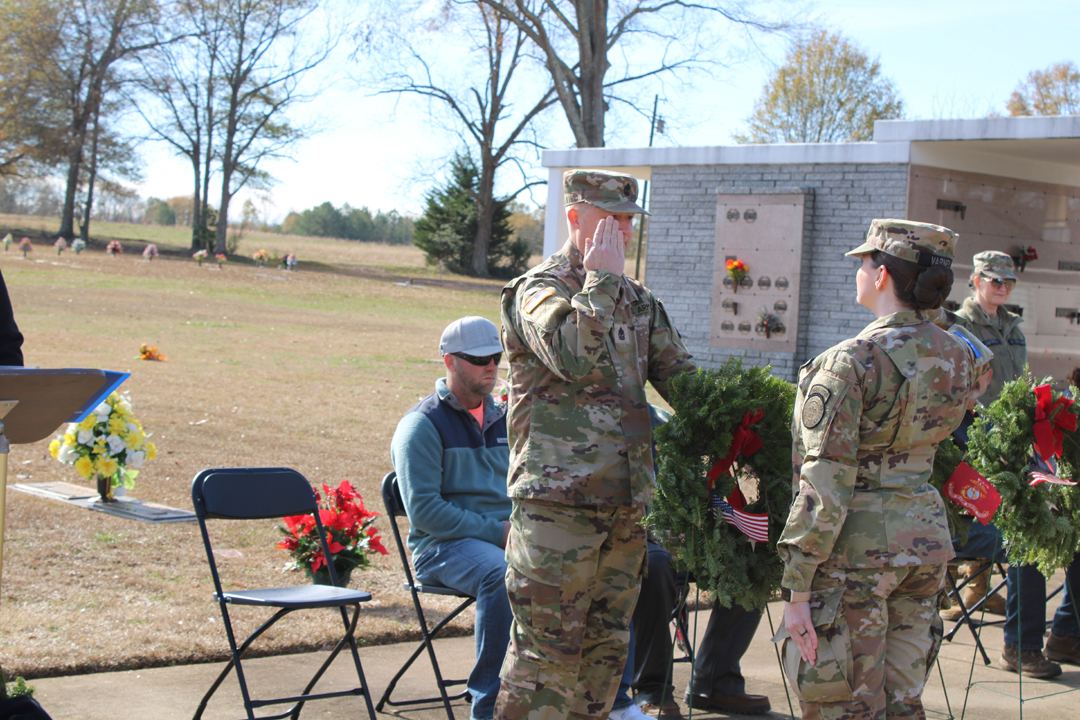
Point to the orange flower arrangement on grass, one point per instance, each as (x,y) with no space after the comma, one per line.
(150,352)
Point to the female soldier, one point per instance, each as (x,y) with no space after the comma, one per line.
(992,281)
(866,540)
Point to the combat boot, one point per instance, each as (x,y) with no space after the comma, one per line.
(974,591)
(1063,648)
(1029,663)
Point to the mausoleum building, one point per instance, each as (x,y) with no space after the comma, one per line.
(791,211)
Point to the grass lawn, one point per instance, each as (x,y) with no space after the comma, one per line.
(309,370)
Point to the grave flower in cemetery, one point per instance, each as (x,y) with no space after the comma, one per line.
(737,269)
(26,246)
(350,534)
(150,252)
(768,323)
(60,245)
(114,248)
(150,352)
(78,245)
(7,241)
(200,255)
(109,446)
(260,257)
(220,257)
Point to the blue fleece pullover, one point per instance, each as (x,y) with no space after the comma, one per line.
(452,472)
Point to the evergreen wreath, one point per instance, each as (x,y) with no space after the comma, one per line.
(1040,525)
(709,407)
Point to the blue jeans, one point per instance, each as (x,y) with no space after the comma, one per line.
(477,568)
(1025,601)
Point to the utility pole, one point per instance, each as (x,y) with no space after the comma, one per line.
(645,190)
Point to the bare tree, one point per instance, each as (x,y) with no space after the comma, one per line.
(262,56)
(94,36)
(484,113)
(180,87)
(576,39)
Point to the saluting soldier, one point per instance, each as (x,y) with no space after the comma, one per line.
(866,541)
(582,340)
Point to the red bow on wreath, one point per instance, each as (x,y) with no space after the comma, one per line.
(744,440)
(1051,418)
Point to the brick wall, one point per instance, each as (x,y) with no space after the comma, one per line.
(841,200)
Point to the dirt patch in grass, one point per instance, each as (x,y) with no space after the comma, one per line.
(309,370)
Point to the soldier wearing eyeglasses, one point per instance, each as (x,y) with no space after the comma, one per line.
(984,314)
(451,457)
(583,340)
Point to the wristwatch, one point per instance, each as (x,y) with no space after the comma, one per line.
(792,596)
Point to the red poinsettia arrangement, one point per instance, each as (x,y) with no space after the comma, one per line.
(349,533)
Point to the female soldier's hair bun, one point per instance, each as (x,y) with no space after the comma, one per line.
(917,287)
(932,287)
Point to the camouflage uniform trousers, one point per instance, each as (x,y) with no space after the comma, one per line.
(573,577)
(890,616)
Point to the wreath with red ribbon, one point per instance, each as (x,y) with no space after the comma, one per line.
(728,423)
(1039,517)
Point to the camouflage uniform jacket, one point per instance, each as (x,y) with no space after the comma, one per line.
(581,347)
(869,414)
(1007,343)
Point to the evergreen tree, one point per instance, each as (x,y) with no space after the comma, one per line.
(447,231)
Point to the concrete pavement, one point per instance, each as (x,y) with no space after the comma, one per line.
(175,692)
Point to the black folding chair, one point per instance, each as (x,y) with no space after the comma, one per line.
(261,493)
(395,508)
(680,618)
(967,613)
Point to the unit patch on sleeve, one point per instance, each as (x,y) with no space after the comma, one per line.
(813,409)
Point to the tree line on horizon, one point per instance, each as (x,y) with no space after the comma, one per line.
(218,81)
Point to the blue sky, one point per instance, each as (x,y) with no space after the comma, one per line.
(948,58)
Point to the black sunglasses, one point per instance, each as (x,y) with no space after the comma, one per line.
(479,361)
(998,282)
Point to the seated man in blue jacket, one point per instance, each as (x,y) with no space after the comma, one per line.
(451,457)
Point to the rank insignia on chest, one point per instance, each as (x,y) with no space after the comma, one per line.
(639,308)
(813,409)
(622,334)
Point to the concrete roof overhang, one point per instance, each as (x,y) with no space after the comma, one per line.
(1040,149)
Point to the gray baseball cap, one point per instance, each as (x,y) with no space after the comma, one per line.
(471,335)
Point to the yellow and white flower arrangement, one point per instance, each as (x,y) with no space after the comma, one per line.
(109,445)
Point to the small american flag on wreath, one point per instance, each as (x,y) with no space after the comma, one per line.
(754,525)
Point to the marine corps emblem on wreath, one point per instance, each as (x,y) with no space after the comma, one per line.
(813,409)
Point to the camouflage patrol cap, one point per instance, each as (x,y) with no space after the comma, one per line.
(994,264)
(917,242)
(609,191)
